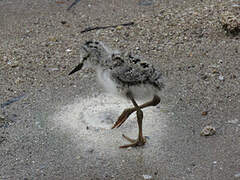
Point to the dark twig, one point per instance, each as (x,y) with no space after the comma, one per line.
(73,4)
(105,27)
(12,101)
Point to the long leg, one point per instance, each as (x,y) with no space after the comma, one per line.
(140,140)
(127,112)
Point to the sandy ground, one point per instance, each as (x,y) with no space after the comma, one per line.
(53,126)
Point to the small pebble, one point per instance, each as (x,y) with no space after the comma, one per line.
(119,27)
(63,22)
(204,77)
(145,176)
(53,69)
(53,39)
(60,2)
(221,78)
(236,5)
(204,113)
(208,131)
(18,80)
(14,64)
(78,157)
(234,121)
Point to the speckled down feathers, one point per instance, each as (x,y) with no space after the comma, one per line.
(133,71)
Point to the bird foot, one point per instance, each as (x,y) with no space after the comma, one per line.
(123,117)
(139,142)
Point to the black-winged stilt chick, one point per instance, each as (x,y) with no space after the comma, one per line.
(125,75)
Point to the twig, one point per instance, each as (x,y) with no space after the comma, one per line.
(105,27)
(11,101)
(73,4)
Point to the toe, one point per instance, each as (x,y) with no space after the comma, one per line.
(129,139)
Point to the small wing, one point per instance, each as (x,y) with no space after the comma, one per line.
(130,73)
(134,71)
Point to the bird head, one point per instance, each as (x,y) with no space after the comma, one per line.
(92,52)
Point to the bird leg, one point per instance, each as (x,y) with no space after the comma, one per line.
(127,112)
(140,140)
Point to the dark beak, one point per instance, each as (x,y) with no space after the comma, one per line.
(77,68)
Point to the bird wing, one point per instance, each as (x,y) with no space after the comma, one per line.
(131,73)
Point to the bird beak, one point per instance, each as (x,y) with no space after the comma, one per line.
(77,68)
(80,65)
(85,57)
